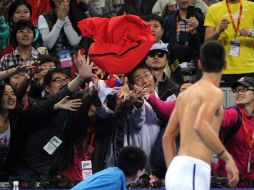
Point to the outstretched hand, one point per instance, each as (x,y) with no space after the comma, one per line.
(68,104)
(85,66)
(123,92)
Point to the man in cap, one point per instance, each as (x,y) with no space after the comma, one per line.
(157,59)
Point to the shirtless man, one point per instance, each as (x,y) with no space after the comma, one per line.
(197,117)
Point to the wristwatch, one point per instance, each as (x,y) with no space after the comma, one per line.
(251,33)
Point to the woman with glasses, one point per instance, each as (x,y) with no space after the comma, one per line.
(240,143)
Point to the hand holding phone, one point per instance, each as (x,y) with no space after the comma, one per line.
(190,11)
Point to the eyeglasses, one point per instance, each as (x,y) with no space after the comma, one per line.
(146,76)
(60,80)
(25,31)
(160,54)
(237,90)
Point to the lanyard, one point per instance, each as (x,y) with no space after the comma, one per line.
(178,25)
(236,28)
(249,141)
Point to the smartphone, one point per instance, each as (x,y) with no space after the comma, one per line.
(190,11)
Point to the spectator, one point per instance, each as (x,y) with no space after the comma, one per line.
(18,10)
(39,7)
(237,131)
(58,31)
(14,123)
(23,34)
(130,163)
(137,125)
(184,35)
(157,59)
(230,23)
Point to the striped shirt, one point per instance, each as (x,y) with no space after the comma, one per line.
(14,59)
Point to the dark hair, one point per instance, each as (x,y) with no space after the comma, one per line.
(20,25)
(131,159)
(212,56)
(48,58)
(151,17)
(49,76)
(14,6)
(141,65)
(2,88)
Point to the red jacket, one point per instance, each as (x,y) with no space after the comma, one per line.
(121,42)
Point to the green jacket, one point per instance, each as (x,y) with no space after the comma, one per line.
(4,33)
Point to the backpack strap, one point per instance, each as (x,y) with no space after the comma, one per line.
(236,127)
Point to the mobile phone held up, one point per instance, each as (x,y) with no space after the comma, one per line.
(190,11)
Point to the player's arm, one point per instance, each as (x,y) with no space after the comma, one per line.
(202,127)
(168,140)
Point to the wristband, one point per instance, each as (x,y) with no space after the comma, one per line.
(251,33)
(80,80)
(220,154)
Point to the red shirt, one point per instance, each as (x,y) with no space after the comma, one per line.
(239,145)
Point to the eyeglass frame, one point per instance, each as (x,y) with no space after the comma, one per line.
(243,90)
(146,76)
(59,80)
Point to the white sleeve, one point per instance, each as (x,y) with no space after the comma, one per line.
(49,37)
(71,34)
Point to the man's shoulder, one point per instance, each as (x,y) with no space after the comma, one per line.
(217,5)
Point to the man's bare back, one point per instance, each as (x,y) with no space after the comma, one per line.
(197,118)
(189,105)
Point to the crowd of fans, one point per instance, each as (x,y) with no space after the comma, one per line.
(57,111)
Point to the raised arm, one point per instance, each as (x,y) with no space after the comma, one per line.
(168,140)
(162,108)
(203,128)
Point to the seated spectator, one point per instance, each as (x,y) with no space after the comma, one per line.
(13,125)
(184,36)
(173,71)
(237,131)
(24,54)
(18,10)
(130,163)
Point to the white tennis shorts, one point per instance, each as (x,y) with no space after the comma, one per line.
(188,173)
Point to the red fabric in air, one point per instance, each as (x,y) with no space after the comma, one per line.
(121,42)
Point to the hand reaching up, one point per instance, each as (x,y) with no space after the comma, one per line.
(85,66)
(68,104)
(123,92)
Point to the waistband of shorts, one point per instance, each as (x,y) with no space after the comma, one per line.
(196,160)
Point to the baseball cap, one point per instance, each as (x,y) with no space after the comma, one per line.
(161,47)
(244,81)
